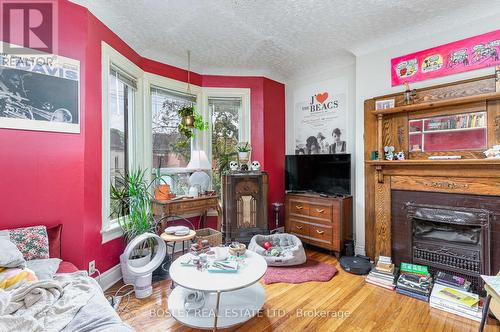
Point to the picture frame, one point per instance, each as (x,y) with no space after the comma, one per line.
(384,104)
(39,93)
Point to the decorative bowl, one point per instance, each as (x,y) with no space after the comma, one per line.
(237,249)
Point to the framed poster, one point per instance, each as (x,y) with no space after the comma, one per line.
(39,91)
(320,118)
(452,58)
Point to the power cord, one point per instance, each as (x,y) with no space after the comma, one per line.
(115,300)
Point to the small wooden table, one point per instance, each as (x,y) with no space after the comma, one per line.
(176,208)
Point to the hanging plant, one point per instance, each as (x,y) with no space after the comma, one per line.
(190,120)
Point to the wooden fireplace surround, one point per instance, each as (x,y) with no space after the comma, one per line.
(470,175)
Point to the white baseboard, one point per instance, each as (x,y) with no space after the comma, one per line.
(110,277)
(360,250)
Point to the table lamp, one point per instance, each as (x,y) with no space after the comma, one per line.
(198,163)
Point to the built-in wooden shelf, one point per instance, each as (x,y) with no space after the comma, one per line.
(433,162)
(439,103)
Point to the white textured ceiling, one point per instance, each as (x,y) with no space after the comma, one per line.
(277,38)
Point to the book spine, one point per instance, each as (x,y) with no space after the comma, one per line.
(443,308)
(411,294)
(448,284)
(454,305)
(380,285)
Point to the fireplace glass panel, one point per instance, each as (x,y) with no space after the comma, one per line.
(428,230)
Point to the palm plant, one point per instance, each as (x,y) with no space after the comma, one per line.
(131,197)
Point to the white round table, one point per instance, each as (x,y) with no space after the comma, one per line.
(230,298)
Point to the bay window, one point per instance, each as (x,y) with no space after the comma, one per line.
(121,120)
(140,129)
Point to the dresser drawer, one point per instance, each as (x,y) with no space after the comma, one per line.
(299,228)
(320,234)
(298,207)
(320,211)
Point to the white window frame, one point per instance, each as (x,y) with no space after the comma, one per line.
(110,229)
(161,82)
(244,119)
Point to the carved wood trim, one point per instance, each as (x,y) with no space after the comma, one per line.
(447,184)
(383,218)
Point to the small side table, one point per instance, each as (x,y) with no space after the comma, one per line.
(176,208)
(173,239)
(492,305)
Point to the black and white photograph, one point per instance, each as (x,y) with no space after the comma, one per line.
(320,118)
(384,104)
(39,93)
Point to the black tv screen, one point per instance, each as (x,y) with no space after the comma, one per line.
(319,173)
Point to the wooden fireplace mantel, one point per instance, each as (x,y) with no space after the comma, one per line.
(472,174)
(461,178)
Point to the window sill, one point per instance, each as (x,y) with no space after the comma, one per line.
(112,232)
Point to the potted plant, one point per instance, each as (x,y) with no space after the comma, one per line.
(190,119)
(131,205)
(244,152)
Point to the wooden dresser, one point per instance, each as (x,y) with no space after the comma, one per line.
(325,222)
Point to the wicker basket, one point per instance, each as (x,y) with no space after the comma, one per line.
(214,237)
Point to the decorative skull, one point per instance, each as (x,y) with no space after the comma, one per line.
(233,165)
(255,165)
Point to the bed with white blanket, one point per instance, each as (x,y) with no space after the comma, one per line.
(68,302)
(36,297)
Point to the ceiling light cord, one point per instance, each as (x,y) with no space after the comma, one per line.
(189,72)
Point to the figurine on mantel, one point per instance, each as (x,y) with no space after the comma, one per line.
(389,152)
(233,165)
(255,165)
(400,155)
(493,153)
(408,95)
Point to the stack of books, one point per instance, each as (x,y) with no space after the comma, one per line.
(456,301)
(383,274)
(414,281)
(446,279)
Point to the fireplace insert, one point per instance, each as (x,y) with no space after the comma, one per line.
(455,240)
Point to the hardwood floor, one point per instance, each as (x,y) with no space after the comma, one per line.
(349,303)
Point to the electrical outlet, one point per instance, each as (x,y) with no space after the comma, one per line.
(91,268)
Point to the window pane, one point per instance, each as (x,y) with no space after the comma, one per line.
(170,149)
(225,135)
(120,101)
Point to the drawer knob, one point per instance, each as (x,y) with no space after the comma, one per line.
(319,232)
(299,227)
(320,210)
(299,207)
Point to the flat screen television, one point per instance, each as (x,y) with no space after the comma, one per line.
(319,173)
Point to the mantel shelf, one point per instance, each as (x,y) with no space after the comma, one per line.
(427,162)
(439,103)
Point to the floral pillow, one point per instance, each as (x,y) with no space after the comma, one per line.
(33,242)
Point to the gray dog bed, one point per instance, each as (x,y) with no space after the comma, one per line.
(289,246)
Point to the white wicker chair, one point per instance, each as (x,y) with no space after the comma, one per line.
(291,247)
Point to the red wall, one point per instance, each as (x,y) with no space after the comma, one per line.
(52,178)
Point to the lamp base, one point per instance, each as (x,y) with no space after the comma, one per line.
(200,179)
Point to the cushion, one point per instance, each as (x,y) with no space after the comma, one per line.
(66,267)
(32,241)
(290,246)
(44,268)
(11,256)
(13,277)
(54,235)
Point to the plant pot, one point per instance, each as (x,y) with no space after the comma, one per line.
(129,278)
(244,157)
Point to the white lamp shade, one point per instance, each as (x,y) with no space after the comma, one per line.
(199,160)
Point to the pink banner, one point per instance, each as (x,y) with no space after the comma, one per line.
(456,57)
